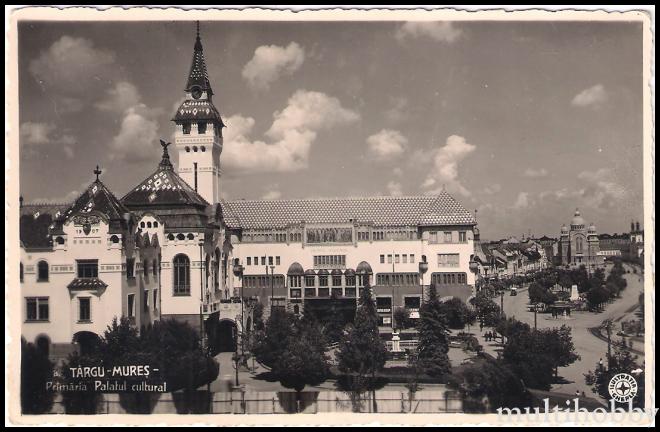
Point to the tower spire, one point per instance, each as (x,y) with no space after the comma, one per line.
(198,76)
(165,161)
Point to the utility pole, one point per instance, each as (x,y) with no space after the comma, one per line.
(608,327)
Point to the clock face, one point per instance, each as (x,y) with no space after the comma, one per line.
(196,92)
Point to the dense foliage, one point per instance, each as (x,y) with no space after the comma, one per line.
(36,371)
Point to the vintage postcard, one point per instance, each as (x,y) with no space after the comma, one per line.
(368,217)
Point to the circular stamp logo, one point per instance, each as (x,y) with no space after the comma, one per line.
(622,387)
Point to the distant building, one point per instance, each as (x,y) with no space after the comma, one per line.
(614,244)
(636,240)
(579,244)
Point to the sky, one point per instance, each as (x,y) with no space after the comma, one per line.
(522,122)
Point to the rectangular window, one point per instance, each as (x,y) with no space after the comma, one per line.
(412,258)
(201,127)
(155,298)
(249,261)
(323,281)
(295,293)
(263,260)
(336,281)
(88,268)
(310,292)
(130,306)
(37,308)
(130,268)
(397,259)
(336,292)
(295,281)
(389,259)
(310,281)
(449,278)
(350,281)
(277,260)
(270,260)
(405,259)
(145,301)
(448,260)
(462,236)
(433,237)
(84,309)
(324,292)
(382,259)
(256,260)
(411,302)
(448,237)
(186,128)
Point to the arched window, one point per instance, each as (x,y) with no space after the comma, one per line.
(181,265)
(60,240)
(579,245)
(148,224)
(154,267)
(42,271)
(155,224)
(114,239)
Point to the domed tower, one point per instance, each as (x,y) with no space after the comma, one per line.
(594,245)
(198,134)
(578,222)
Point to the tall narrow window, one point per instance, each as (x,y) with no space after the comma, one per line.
(462,236)
(155,298)
(181,265)
(130,306)
(195,174)
(42,271)
(130,268)
(84,309)
(186,128)
(145,301)
(201,128)
(21,272)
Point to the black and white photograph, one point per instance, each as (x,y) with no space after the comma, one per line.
(329,217)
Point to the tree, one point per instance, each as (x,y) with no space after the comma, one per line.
(558,343)
(36,371)
(269,345)
(258,316)
(402,319)
(539,294)
(457,313)
(362,353)
(433,343)
(303,362)
(488,312)
(596,297)
(334,324)
(622,361)
(496,381)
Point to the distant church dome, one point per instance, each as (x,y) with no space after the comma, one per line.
(577,219)
(592,228)
(564,229)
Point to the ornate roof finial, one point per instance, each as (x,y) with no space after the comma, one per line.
(197,29)
(165,161)
(98,172)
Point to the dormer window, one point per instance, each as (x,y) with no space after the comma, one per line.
(201,128)
(186,128)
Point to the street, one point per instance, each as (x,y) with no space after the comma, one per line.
(590,348)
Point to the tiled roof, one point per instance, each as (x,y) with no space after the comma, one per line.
(196,110)
(35,221)
(198,75)
(381,211)
(163,188)
(97,198)
(86,284)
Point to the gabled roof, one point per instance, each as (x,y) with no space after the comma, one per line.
(163,188)
(380,211)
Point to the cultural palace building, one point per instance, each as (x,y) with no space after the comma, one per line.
(171,247)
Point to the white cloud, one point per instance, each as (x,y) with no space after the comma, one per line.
(290,137)
(394,188)
(522,202)
(137,139)
(444,172)
(600,189)
(272,194)
(593,96)
(119,98)
(492,189)
(35,135)
(535,173)
(270,62)
(397,171)
(70,66)
(386,145)
(441,31)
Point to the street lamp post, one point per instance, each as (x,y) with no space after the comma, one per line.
(423,267)
(201,293)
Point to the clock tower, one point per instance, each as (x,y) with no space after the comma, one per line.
(198,135)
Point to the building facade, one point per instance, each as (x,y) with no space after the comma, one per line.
(172,248)
(579,244)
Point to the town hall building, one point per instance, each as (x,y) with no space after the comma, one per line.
(171,247)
